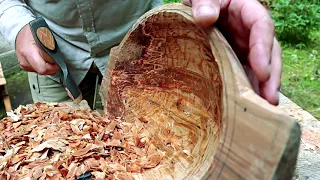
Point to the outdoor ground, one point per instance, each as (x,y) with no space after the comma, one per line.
(300,82)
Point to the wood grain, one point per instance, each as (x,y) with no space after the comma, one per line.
(177,77)
(46,38)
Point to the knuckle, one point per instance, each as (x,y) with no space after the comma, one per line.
(42,71)
(23,65)
(22,51)
(268,21)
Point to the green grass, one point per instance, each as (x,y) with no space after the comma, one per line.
(300,82)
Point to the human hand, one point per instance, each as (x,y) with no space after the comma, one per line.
(249,29)
(31,58)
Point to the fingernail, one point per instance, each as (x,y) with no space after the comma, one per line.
(206,11)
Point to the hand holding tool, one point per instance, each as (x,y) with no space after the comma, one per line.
(50,49)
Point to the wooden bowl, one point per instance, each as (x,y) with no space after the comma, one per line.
(187,87)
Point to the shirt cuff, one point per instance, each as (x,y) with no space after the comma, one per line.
(156,3)
(12,21)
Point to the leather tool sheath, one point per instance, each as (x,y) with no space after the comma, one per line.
(45,41)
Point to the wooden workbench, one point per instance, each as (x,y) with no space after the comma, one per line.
(4,92)
(2,79)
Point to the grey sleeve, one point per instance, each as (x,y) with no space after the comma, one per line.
(14,15)
(156,3)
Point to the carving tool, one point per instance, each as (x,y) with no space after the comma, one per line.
(46,42)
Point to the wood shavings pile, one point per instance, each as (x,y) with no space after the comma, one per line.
(55,141)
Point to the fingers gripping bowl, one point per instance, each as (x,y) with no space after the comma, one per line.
(187,87)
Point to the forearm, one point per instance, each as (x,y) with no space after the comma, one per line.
(14,15)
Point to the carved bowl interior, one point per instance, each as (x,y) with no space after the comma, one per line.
(165,76)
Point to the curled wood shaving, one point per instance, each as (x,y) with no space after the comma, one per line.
(55,141)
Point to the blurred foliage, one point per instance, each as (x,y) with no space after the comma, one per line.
(295,20)
(171,1)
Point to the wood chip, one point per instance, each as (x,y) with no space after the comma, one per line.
(55,141)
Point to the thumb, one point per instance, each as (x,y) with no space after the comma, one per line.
(205,12)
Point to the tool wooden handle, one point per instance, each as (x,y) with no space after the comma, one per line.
(46,38)
(46,57)
(51,51)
